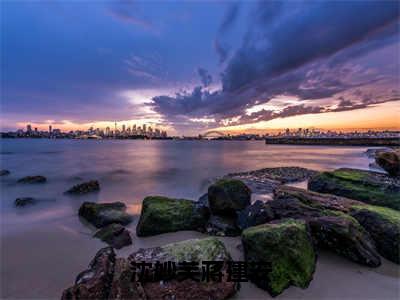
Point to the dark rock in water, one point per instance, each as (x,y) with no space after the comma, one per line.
(83,188)
(372,153)
(24,201)
(345,236)
(316,200)
(227,196)
(103,214)
(383,224)
(33,179)
(115,235)
(109,277)
(369,187)
(255,214)
(95,282)
(222,226)
(162,214)
(286,250)
(196,250)
(389,161)
(291,207)
(4,172)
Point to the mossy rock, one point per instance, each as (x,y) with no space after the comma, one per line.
(383,224)
(227,196)
(369,187)
(115,235)
(32,179)
(162,215)
(389,161)
(286,247)
(102,214)
(344,235)
(84,188)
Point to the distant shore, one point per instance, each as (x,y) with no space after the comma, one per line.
(389,142)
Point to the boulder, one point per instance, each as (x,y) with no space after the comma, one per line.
(95,282)
(102,214)
(33,179)
(254,214)
(345,236)
(369,187)
(115,235)
(195,250)
(162,215)
(383,224)
(84,188)
(4,172)
(316,200)
(222,226)
(291,207)
(287,252)
(24,201)
(389,161)
(227,196)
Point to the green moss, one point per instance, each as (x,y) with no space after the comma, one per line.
(351,175)
(391,215)
(162,214)
(198,250)
(287,247)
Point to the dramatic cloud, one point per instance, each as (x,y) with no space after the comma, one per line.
(205,77)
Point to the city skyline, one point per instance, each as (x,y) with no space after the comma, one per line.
(254,66)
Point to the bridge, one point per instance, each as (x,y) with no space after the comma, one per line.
(212,134)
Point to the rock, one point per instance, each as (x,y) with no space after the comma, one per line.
(102,214)
(33,179)
(383,224)
(222,226)
(24,201)
(389,161)
(345,236)
(366,186)
(195,250)
(203,201)
(287,251)
(4,172)
(291,207)
(84,188)
(372,153)
(254,214)
(162,214)
(95,282)
(227,196)
(316,200)
(115,235)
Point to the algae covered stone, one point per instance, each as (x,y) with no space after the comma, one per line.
(369,187)
(383,224)
(227,196)
(389,161)
(84,188)
(32,179)
(115,235)
(102,214)
(162,215)
(344,235)
(286,248)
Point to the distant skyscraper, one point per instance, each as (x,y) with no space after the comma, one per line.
(50,128)
(107,131)
(123,128)
(29,128)
(144,128)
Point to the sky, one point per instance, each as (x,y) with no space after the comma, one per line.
(189,66)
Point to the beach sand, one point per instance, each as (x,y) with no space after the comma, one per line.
(30,270)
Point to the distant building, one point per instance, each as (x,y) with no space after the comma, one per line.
(28,128)
(50,129)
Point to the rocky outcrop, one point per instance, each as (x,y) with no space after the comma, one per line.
(102,214)
(95,282)
(345,236)
(109,277)
(33,179)
(383,224)
(316,200)
(254,214)
(227,196)
(222,226)
(162,215)
(287,252)
(267,179)
(4,172)
(369,187)
(115,235)
(84,188)
(389,161)
(291,207)
(24,201)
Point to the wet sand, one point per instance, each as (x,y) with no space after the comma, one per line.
(30,270)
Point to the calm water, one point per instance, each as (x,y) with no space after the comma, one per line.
(130,170)
(44,246)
